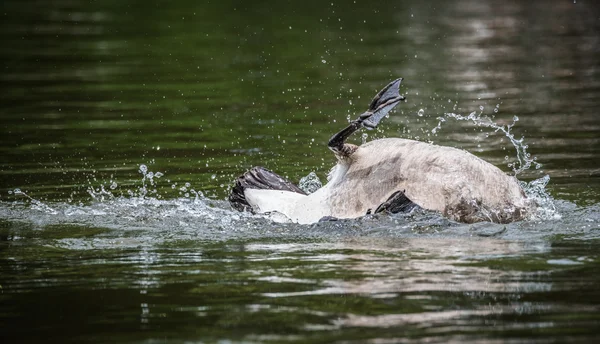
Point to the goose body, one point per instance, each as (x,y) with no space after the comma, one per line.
(454,182)
(390,174)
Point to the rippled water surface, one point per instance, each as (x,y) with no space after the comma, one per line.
(124,123)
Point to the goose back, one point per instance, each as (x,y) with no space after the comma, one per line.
(452,181)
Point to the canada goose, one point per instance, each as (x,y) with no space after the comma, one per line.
(390,175)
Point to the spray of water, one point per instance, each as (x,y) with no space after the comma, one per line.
(36,204)
(524,159)
(117,207)
(536,189)
(310,183)
(147,189)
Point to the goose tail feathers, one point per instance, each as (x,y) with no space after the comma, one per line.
(258,178)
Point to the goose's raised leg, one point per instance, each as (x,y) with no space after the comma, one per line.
(380,106)
(337,142)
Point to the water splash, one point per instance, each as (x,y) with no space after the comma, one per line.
(142,207)
(100,194)
(524,159)
(148,187)
(364,138)
(188,215)
(536,191)
(310,183)
(36,204)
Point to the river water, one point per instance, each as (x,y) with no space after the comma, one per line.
(124,124)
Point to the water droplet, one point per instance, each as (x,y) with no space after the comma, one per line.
(421,112)
(481,107)
(310,183)
(214,176)
(324,61)
(113,185)
(143,169)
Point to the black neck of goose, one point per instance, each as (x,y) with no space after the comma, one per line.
(337,141)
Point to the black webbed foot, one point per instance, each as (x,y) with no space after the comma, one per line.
(397,203)
(380,106)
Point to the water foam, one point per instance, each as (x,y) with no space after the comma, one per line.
(144,207)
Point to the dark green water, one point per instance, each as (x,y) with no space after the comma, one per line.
(96,251)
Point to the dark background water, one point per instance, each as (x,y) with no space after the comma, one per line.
(201,91)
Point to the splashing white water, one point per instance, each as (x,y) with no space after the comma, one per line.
(536,191)
(524,159)
(141,207)
(147,188)
(310,183)
(36,204)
